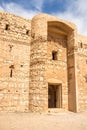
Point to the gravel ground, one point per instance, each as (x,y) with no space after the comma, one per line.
(54,121)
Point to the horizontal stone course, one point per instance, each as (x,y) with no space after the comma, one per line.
(37,53)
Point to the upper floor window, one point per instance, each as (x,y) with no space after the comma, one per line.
(54,55)
(80,44)
(7,27)
(27,32)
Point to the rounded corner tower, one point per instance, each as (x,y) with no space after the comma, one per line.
(43,65)
(51,49)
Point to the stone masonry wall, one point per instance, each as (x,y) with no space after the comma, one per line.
(57,69)
(72,71)
(40,54)
(38,95)
(82,75)
(27,67)
(14,62)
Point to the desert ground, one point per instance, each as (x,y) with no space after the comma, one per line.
(48,121)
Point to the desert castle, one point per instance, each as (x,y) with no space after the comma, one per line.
(43,64)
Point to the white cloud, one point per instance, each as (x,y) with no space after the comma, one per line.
(18,10)
(1,9)
(76,12)
(37,4)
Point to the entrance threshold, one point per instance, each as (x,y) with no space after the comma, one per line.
(56,110)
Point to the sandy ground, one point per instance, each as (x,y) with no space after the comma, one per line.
(56,121)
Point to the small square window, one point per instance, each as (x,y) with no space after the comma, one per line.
(54,55)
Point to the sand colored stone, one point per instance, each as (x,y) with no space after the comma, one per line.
(30,121)
(43,64)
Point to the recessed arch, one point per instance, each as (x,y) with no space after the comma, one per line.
(60,26)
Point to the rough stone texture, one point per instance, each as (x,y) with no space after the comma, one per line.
(14,50)
(82,73)
(28,66)
(57,69)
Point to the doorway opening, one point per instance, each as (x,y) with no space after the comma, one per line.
(54,96)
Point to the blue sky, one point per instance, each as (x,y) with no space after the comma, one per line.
(71,10)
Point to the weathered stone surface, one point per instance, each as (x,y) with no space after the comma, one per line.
(39,55)
(14,51)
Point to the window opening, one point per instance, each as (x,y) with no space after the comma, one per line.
(11,71)
(54,55)
(81,45)
(27,32)
(6,27)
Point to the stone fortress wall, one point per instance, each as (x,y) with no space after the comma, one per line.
(82,72)
(41,58)
(14,62)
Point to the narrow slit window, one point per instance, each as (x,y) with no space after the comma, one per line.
(80,44)
(27,32)
(11,72)
(54,55)
(7,27)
